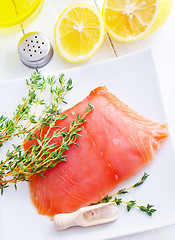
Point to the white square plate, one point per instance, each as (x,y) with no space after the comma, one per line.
(134,80)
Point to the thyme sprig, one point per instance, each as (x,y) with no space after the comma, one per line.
(126,190)
(132,203)
(44,152)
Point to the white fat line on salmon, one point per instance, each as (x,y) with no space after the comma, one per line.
(101,153)
(72,195)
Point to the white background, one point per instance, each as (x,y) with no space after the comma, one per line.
(162,42)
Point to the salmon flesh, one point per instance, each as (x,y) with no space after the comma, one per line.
(116,143)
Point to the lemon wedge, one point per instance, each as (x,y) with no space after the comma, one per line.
(129,20)
(79,32)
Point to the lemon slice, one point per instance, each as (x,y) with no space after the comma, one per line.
(79,32)
(129,20)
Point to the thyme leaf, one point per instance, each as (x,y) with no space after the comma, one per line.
(132,203)
(45,152)
(148,209)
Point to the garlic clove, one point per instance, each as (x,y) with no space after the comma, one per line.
(87,216)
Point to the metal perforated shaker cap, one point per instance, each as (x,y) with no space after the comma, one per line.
(35,50)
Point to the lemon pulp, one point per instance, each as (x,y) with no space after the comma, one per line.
(79,32)
(129,20)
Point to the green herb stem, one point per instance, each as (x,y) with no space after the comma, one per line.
(132,203)
(44,153)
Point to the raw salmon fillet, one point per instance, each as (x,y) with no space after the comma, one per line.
(116,143)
